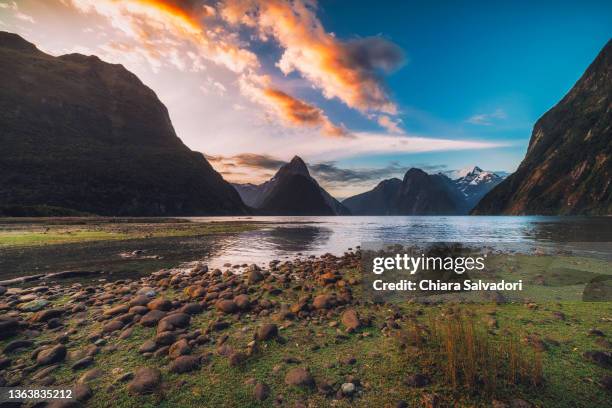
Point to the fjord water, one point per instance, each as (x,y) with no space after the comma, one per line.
(284,238)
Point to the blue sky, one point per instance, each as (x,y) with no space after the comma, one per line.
(477,58)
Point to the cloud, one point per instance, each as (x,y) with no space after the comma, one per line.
(487,119)
(298,112)
(389,124)
(172,34)
(329,172)
(186,34)
(347,70)
(258,161)
(17,13)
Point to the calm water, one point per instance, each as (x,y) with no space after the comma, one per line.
(319,235)
(286,237)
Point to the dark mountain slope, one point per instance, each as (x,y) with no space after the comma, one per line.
(378,201)
(568,165)
(292,191)
(417,194)
(86,135)
(423,194)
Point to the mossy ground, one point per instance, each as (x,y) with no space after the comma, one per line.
(76,230)
(381,365)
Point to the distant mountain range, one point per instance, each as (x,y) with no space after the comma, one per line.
(292,191)
(568,166)
(79,135)
(420,193)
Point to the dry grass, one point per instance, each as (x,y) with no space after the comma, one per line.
(471,358)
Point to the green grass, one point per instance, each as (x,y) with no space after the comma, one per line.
(382,365)
(53,234)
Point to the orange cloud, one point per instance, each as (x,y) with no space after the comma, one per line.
(298,112)
(187,33)
(391,125)
(348,71)
(172,32)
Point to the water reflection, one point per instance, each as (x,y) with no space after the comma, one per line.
(285,237)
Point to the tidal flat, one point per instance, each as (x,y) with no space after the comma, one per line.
(108,247)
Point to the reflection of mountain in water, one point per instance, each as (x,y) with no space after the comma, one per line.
(298,239)
(576,229)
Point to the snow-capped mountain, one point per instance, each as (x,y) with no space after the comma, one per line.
(475,183)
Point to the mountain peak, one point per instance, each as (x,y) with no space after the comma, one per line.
(414,172)
(15,42)
(295,166)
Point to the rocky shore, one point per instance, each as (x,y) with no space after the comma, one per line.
(292,333)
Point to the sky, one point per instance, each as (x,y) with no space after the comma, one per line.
(362,91)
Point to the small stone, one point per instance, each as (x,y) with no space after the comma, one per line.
(148,346)
(267,332)
(261,392)
(126,333)
(255,276)
(45,315)
(91,375)
(51,355)
(160,304)
(236,358)
(151,318)
(184,364)
(601,358)
(350,319)
(34,305)
(141,300)
(113,326)
(179,348)
(520,403)
(82,363)
(82,392)
(242,302)
(596,333)
(191,308)
(165,338)
(17,344)
(417,380)
(226,306)
(174,321)
(348,389)
(322,302)
(299,377)
(146,380)
(116,310)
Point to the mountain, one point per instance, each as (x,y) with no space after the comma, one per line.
(292,191)
(423,194)
(88,136)
(249,193)
(420,193)
(417,194)
(567,169)
(378,201)
(474,184)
